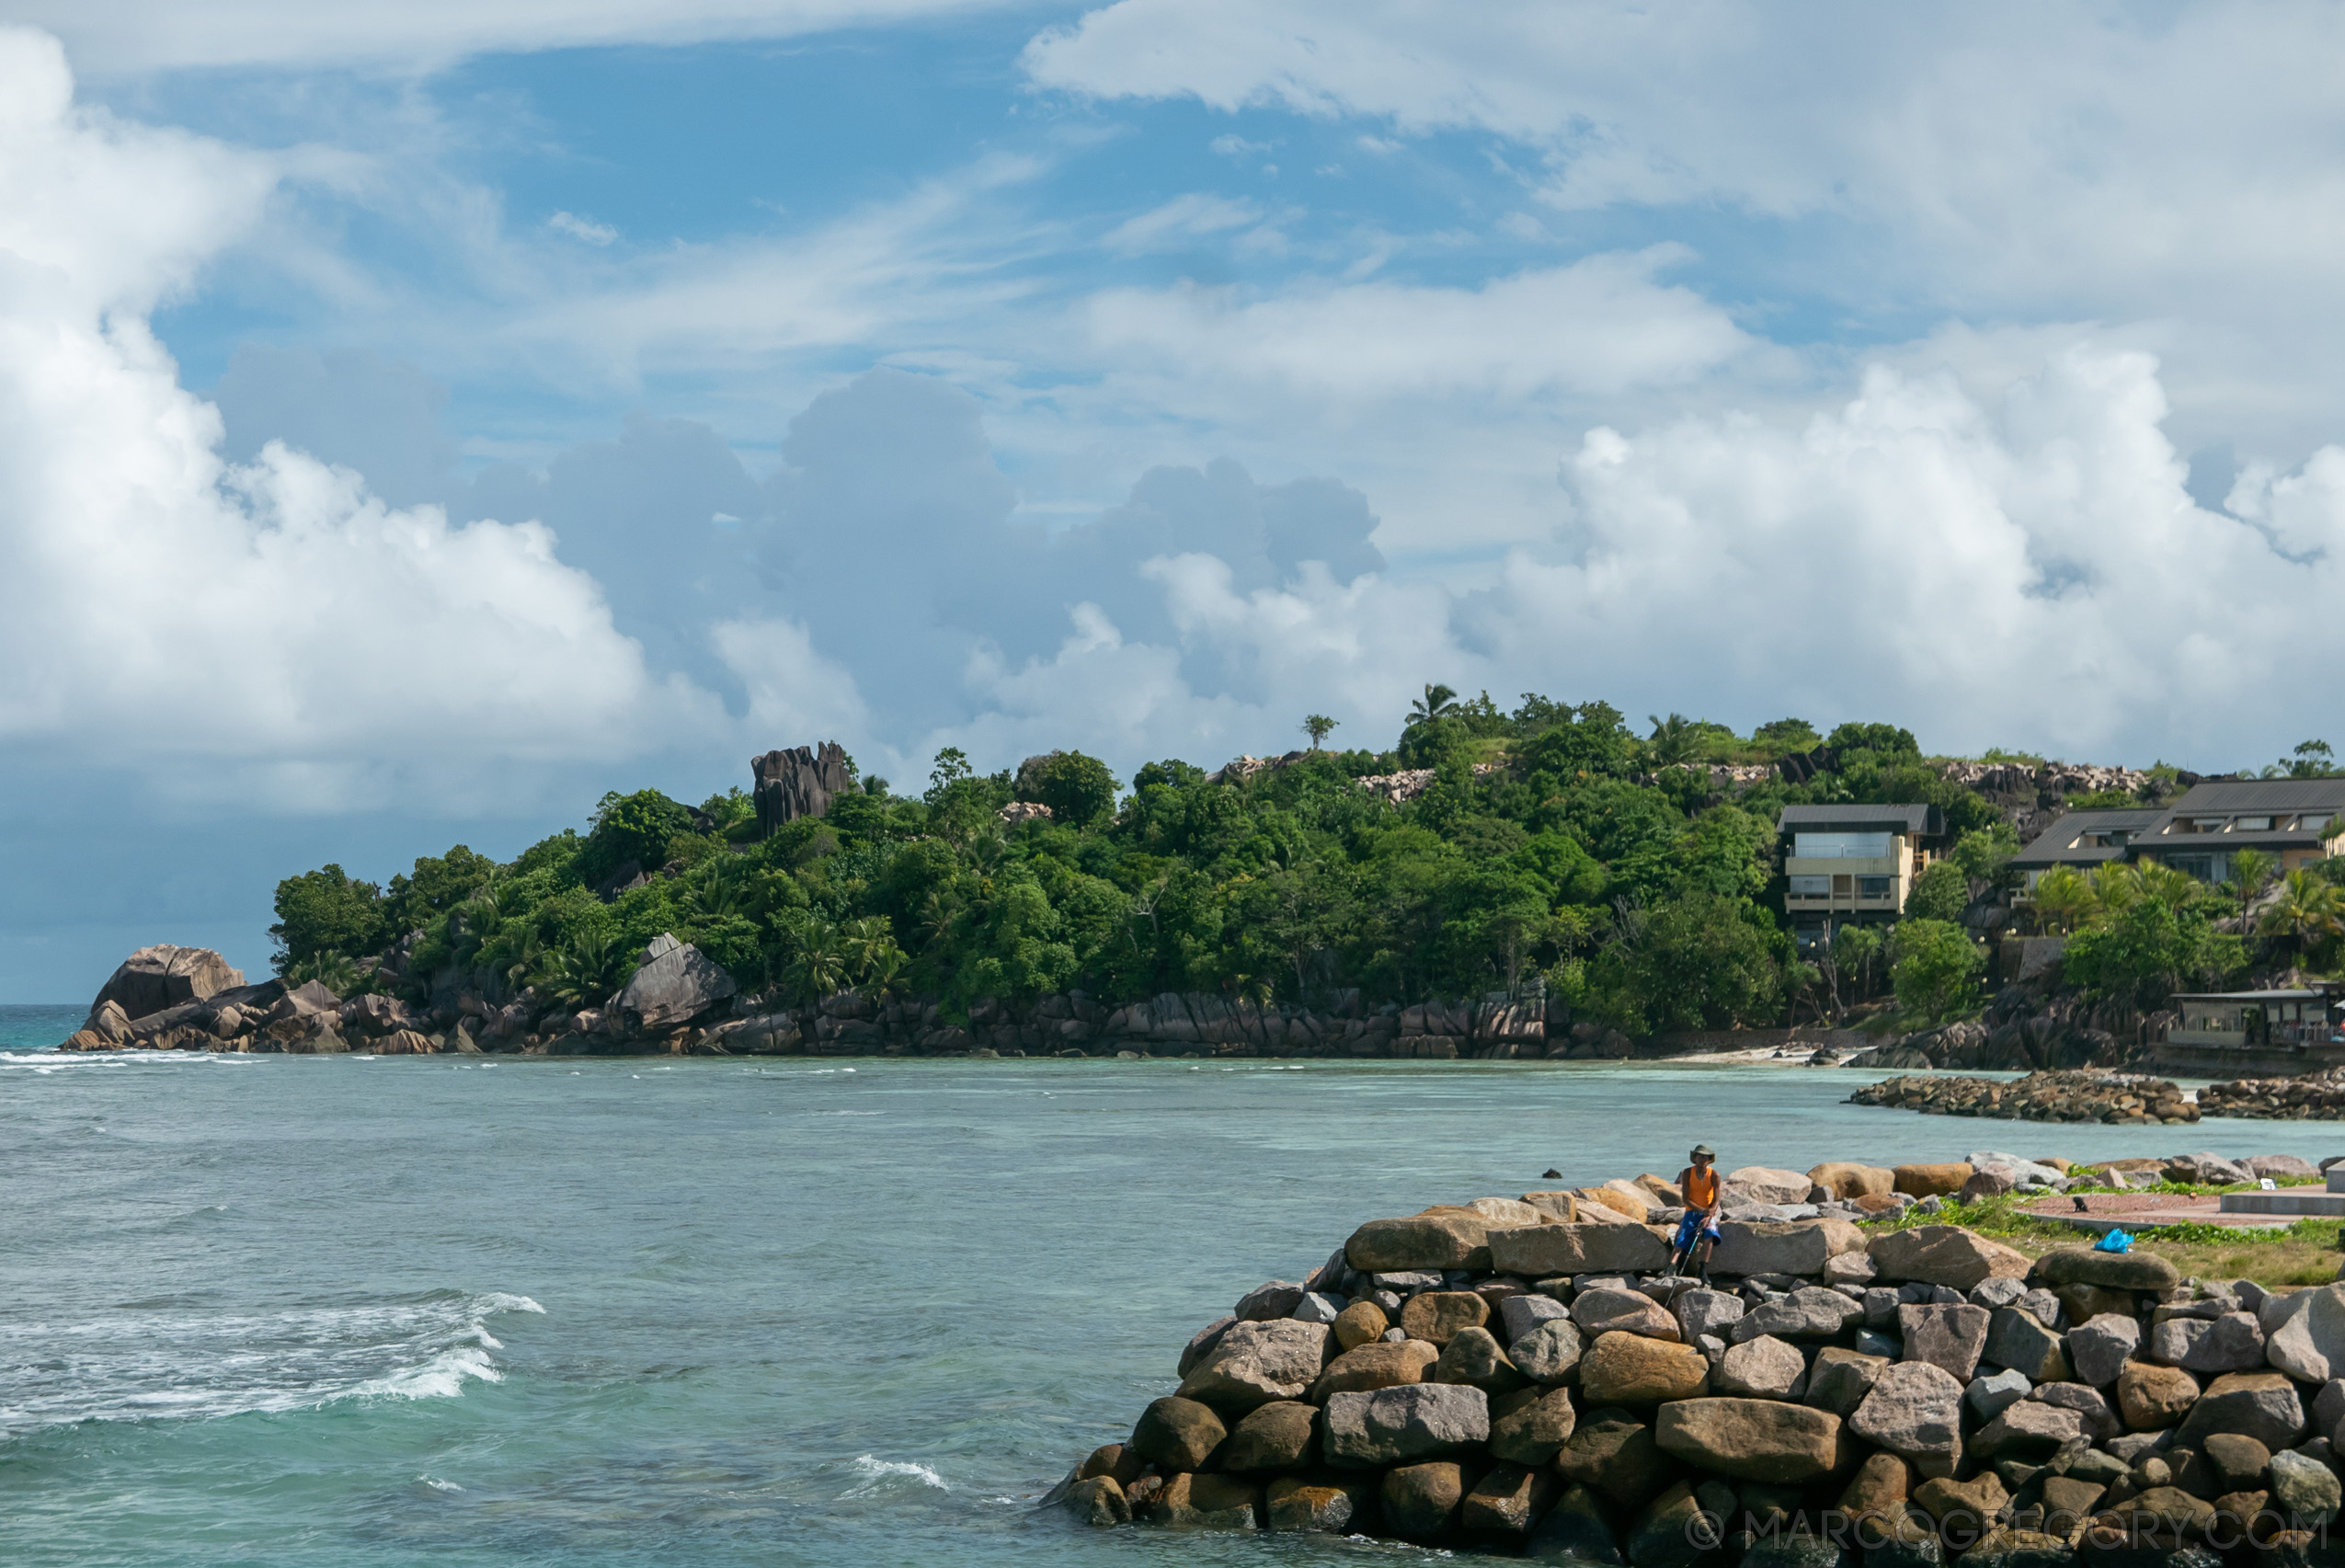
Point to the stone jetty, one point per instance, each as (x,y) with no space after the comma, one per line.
(2313,1097)
(2122,1099)
(1523,1375)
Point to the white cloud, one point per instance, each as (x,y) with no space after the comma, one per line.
(275,617)
(1234,146)
(1600,326)
(1180,220)
(584,229)
(150,35)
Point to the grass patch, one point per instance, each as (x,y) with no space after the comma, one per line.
(2307,1252)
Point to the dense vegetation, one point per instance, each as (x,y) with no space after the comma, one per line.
(1579,857)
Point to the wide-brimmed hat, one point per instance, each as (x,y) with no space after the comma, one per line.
(1705,1149)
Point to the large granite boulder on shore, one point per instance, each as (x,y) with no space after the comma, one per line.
(674,983)
(1537,1252)
(1255,1362)
(1440,1238)
(1795,1247)
(1945,1254)
(164,976)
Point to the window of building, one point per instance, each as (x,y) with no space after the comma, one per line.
(2252,824)
(2313,822)
(1811,887)
(1872,887)
(2198,865)
(1844,846)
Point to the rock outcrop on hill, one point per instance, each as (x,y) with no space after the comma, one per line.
(800,782)
(2125,1099)
(1500,1374)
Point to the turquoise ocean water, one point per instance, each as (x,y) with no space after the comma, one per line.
(338,1310)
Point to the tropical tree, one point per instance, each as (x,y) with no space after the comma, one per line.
(1935,970)
(585,968)
(820,968)
(1856,955)
(1318,726)
(2064,898)
(1673,739)
(1438,701)
(2252,872)
(2309,911)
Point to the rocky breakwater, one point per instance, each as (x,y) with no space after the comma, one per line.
(2117,1098)
(1498,1376)
(2311,1097)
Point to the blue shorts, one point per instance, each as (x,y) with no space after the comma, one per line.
(1709,1223)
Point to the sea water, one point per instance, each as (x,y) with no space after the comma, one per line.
(422,1309)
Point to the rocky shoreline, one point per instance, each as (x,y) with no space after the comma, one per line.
(1523,1376)
(2119,1099)
(2315,1097)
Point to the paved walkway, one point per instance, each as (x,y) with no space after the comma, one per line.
(2131,1211)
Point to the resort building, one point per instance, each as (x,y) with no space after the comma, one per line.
(2293,820)
(1853,863)
(2224,1034)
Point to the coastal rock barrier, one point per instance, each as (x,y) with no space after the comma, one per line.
(2115,1098)
(2315,1097)
(1524,1376)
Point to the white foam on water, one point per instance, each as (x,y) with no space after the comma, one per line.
(143,1363)
(438,1485)
(876,1472)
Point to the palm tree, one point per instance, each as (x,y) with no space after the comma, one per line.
(1316,726)
(2307,911)
(2251,874)
(820,968)
(582,971)
(2063,899)
(1438,701)
(1673,739)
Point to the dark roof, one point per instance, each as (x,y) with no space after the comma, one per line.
(2223,844)
(2231,797)
(2050,847)
(1926,820)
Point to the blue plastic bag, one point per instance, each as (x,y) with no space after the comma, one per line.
(2114,1241)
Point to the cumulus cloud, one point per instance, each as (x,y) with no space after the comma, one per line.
(273,615)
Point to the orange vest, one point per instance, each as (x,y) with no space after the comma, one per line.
(1699,1185)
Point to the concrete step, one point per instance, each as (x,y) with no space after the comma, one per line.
(2337,1178)
(2295,1200)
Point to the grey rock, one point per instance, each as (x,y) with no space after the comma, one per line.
(2304,1332)
(1549,1352)
(2171,1342)
(2026,1429)
(2262,1405)
(1811,1312)
(1277,1299)
(1255,1362)
(1915,1411)
(674,982)
(2099,1350)
(2100,1419)
(2231,1344)
(2304,1487)
(1407,1281)
(2042,1305)
(1705,1312)
(1839,1379)
(1994,1293)
(2015,1339)
(1765,1367)
(1881,1305)
(1315,1307)
(1520,1314)
(2328,1405)
(1988,1395)
(1949,1337)
(1871,1341)
(1395,1426)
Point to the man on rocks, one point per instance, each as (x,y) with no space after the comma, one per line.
(1698,1231)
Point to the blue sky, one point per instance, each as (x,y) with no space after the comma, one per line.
(425,418)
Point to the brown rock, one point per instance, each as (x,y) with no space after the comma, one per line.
(1474,1356)
(1931,1181)
(1879,1487)
(1508,1501)
(1839,1379)
(1282,1434)
(1419,1500)
(1334,1505)
(2152,1397)
(1435,1316)
(164,976)
(1765,1367)
(1175,1433)
(1967,1506)
(1604,1310)
(1255,1362)
(1534,1432)
(1753,1439)
(2167,1510)
(1613,1453)
(1206,1503)
(1844,1179)
(1945,1254)
(1540,1252)
(2085,1302)
(1362,1323)
(1915,1411)
(1440,1238)
(1630,1368)
(2262,1405)
(1099,1502)
(2069,1503)
(1373,1366)
(1117,1459)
